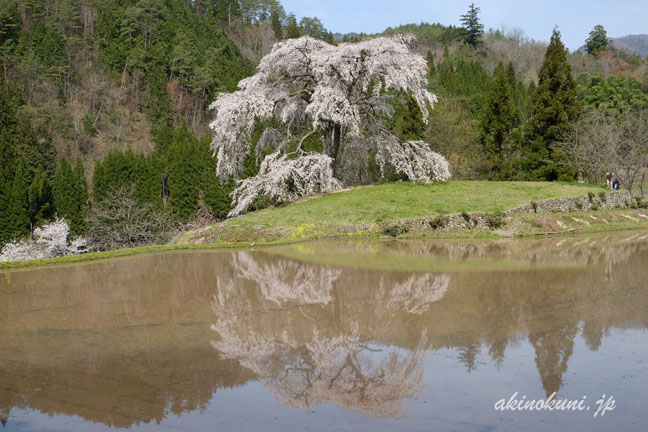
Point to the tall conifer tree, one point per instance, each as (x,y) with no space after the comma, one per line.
(69,197)
(185,170)
(6,181)
(554,104)
(472,26)
(275,23)
(597,40)
(17,205)
(499,121)
(81,195)
(292,29)
(40,199)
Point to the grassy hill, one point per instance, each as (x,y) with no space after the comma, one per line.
(324,215)
(328,215)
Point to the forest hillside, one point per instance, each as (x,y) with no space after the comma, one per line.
(107,101)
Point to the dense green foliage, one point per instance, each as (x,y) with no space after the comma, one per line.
(179,175)
(461,76)
(597,41)
(27,170)
(406,122)
(500,133)
(153,41)
(554,106)
(615,94)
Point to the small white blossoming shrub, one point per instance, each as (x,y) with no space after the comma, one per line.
(47,242)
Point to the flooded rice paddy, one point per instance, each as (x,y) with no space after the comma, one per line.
(332,335)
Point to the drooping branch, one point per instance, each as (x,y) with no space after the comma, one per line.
(284,180)
(413,159)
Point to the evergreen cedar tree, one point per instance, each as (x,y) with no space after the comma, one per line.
(179,175)
(275,23)
(597,41)
(71,194)
(292,29)
(554,104)
(473,28)
(499,122)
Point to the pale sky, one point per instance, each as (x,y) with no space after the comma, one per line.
(575,19)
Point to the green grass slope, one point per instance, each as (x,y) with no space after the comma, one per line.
(365,205)
(410,200)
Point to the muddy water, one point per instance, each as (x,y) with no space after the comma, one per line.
(332,335)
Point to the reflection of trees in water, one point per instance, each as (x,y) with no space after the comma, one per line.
(416,294)
(285,280)
(547,308)
(341,370)
(468,354)
(553,350)
(313,348)
(273,311)
(593,335)
(110,341)
(119,342)
(496,351)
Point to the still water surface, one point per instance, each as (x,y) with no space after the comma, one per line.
(331,335)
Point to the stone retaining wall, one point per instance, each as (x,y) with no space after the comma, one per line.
(600,201)
(479,221)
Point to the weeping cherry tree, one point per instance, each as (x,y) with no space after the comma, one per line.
(316,117)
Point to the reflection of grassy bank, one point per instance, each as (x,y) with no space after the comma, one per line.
(70,259)
(467,254)
(375,257)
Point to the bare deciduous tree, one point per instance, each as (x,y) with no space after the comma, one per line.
(121,221)
(599,143)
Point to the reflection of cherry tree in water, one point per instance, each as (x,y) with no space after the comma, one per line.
(282,280)
(340,370)
(297,326)
(312,348)
(416,294)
